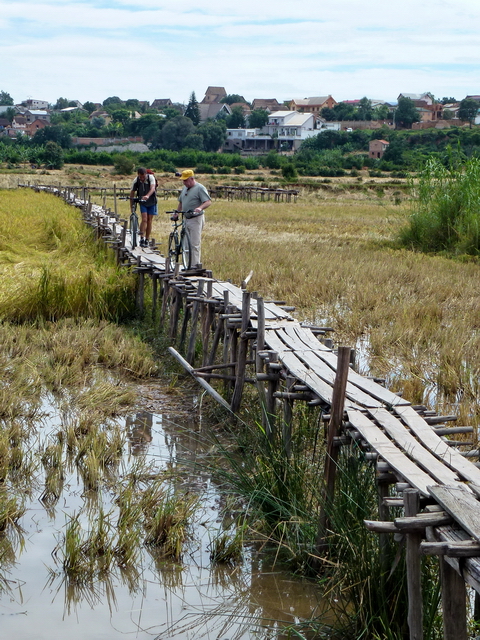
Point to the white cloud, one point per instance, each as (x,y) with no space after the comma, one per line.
(90,50)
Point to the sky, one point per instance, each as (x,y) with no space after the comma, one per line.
(93,49)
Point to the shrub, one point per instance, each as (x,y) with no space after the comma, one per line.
(445,209)
(289,172)
(204,168)
(123,164)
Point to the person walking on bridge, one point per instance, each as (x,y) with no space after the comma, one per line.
(144,186)
(194,197)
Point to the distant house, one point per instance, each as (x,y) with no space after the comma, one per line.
(285,131)
(36,114)
(214,95)
(211,111)
(377,148)
(428,108)
(35,104)
(268,104)
(32,127)
(312,105)
(101,113)
(161,103)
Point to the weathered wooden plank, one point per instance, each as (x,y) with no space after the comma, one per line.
(300,370)
(368,386)
(325,372)
(388,450)
(437,446)
(414,449)
(461,505)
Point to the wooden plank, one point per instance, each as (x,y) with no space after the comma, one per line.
(368,386)
(437,446)
(468,568)
(297,368)
(414,449)
(388,450)
(310,358)
(461,505)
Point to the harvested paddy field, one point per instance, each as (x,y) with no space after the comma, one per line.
(412,318)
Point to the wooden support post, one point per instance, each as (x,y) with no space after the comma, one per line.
(331,456)
(454,602)
(216,340)
(411,500)
(272,388)
(115,200)
(193,331)
(200,381)
(207,320)
(175,313)
(154,294)
(288,418)
(186,319)
(259,366)
(140,292)
(384,516)
(242,354)
(165,297)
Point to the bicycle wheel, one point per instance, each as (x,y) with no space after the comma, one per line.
(134,229)
(186,249)
(173,249)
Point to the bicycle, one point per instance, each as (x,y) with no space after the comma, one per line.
(133,225)
(179,240)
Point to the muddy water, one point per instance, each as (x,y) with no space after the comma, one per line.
(162,599)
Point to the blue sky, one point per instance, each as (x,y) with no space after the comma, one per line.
(92,49)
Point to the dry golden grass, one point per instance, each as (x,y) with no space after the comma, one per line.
(417,316)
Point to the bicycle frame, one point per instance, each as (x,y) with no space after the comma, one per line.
(179,241)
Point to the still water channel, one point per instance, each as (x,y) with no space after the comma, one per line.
(161,599)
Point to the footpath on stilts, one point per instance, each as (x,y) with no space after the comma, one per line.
(227,337)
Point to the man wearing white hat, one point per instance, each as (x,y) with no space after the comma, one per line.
(195,198)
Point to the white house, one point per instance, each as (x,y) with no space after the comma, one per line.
(285,131)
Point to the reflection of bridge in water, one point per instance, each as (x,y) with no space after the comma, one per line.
(232,337)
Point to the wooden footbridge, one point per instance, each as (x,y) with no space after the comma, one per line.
(230,337)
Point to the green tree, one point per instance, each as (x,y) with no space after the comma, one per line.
(192,111)
(112,100)
(381,112)
(121,115)
(406,113)
(236,120)
(53,155)
(365,109)
(171,112)
(61,103)
(10,114)
(194,141)
(447,100)
(6,99)
(98,122)
(447,114)
(214,133)
(132,103)
(232,98)
(173,133)
(55,133)
(468,110)
(123,164)
(89,106)
(258,118)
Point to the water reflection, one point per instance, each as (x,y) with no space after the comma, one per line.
(139,432)
(154,598)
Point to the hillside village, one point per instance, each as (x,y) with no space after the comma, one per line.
(263,125)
